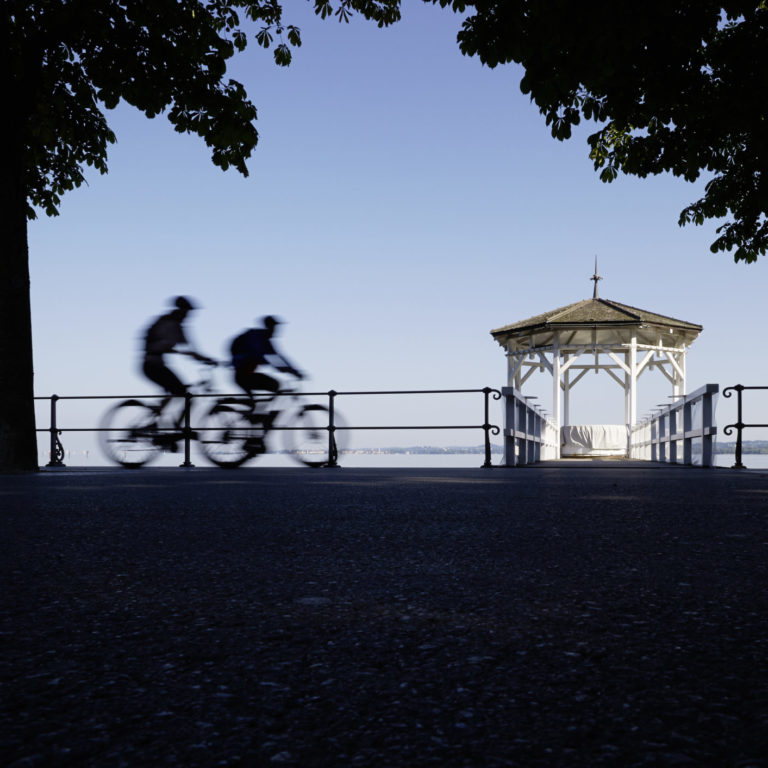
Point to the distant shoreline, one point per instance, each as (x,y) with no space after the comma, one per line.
(748,446)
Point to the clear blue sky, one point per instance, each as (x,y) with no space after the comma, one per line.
(402,202)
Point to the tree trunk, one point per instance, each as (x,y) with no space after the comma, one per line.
(18,442)
(18,439)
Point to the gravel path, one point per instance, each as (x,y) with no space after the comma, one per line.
(530,617)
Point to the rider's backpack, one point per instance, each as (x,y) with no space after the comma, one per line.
(249,348)
(163,335)
(239,345)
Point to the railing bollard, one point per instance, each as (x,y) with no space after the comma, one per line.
(56,449)
(188,436)
(332,451)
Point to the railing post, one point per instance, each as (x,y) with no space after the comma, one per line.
(707,424)
(332,452)
(509,425)
(56,449)
(688,428)
(487,430)
(510,428)
(739,427)
(674,429)
(187,430)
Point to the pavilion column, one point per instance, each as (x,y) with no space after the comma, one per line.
(556,388)
(632,420)
(685,372)
(627,386)
(567,395)
(681,380)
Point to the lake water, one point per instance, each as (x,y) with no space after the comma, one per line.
(390,460)
(749,460)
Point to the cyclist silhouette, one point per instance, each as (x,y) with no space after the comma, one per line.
(164,336)
(255,348)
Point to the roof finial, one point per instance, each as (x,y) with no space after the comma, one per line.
(595,277)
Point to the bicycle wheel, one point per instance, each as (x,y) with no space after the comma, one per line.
(130,435)
(228,438)
(307,438)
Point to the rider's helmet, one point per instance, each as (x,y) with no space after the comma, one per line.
(270,321)
(185,303)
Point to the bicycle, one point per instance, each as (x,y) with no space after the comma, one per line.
(233,431)
(132,433)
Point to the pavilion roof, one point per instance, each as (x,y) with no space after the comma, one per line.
(595,312)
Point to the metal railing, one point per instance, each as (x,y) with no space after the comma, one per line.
(687,423)
(57,452)
(739,426)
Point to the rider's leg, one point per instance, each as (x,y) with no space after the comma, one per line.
(155,370)
(258,385)
(264,383)
(261,389)
(243,380)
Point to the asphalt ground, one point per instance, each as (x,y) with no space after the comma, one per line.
(583,614)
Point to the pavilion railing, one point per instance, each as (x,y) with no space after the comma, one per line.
(739,426)
(683,432)
(529,436)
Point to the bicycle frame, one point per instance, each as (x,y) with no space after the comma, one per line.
(187,433)
(257,407)
(282,419)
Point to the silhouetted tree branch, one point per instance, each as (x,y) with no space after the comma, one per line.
(673,85)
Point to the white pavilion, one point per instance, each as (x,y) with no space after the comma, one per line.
(598,335)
